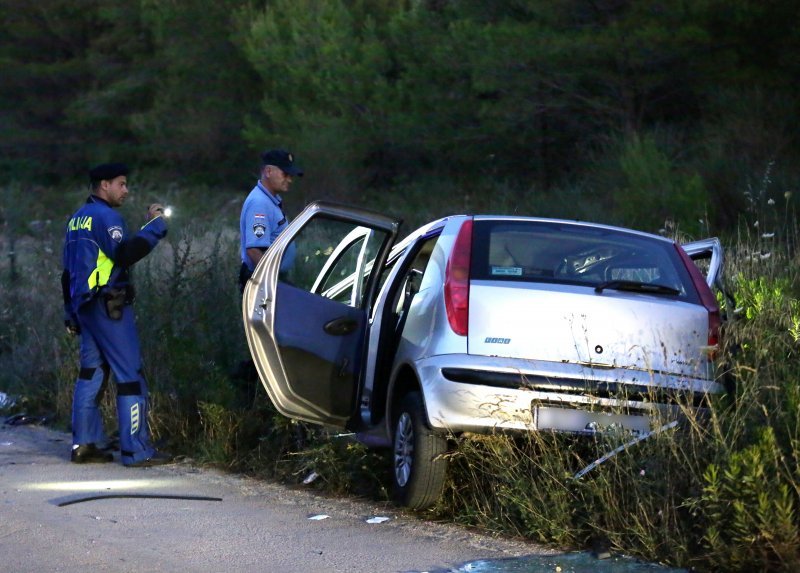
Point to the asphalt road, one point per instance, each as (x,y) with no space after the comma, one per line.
(256,526)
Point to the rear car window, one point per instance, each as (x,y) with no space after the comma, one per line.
(550,252)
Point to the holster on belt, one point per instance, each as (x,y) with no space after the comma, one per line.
(114,299)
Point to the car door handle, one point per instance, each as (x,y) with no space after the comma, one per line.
(340,326)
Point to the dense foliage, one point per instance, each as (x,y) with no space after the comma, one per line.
(673,105)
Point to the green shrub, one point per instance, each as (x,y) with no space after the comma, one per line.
(747,526)
(649,187)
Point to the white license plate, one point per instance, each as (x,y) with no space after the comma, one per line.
(567,420)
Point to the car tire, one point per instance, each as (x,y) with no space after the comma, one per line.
(418,464)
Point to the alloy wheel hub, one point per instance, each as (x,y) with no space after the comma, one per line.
(403,450)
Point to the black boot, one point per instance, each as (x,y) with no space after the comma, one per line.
(89,454)
(157,459)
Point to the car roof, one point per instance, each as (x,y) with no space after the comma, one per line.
(572,222)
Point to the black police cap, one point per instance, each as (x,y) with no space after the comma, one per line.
(107,172)
(282,159)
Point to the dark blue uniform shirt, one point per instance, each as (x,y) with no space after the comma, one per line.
(98,251)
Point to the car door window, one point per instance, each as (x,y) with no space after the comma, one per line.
(313,246)
(340,282)
(330,265)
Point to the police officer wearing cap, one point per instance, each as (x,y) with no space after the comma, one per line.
(262,218)
(98,251)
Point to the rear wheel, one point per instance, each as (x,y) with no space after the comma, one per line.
(419,466)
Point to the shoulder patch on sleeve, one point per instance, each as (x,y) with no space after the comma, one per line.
(115,232)
(259,224)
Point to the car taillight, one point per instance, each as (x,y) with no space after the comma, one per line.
(708,300)
(456,281)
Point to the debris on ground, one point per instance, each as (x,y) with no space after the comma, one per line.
(378,519)
(24,420)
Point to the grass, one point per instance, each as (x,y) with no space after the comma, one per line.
(720,493)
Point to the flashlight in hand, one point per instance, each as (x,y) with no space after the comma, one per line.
(156,208)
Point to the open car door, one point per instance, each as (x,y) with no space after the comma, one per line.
(306,310)
(707,254)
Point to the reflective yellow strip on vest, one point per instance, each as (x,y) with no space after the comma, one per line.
(102,271)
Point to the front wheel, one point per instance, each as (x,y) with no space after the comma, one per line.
(419,463)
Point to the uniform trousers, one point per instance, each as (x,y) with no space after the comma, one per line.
(108,344)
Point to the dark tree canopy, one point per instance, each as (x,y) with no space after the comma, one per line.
(693,99)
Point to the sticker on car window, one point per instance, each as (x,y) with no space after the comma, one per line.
(507,271)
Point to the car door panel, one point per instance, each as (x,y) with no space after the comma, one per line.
(307,347)
(321,365)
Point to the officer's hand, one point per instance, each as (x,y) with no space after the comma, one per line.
(155,210)
(73,329)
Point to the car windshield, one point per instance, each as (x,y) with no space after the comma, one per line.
(552,252)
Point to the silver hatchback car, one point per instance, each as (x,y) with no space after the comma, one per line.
(479,324)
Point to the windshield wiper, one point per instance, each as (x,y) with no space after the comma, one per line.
(634,286)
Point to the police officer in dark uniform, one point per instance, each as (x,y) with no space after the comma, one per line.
(98,251)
